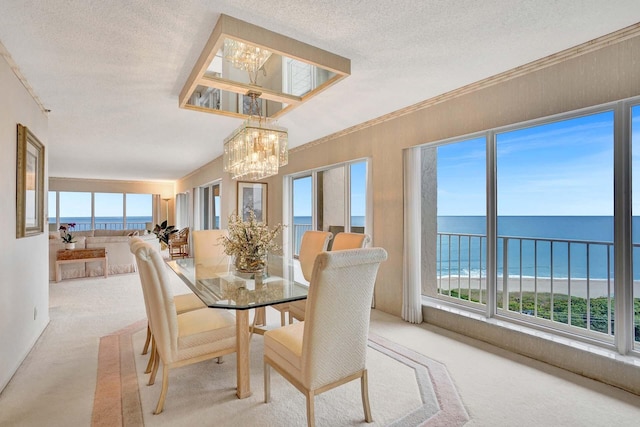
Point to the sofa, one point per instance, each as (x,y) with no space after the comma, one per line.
(116,242)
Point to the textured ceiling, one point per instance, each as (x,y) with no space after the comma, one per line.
(111,71)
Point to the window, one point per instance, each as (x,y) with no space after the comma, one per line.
(461,221)
(555,221)
(209,201)
(52,207)
(332,199)
(302,208)
(139,208)
(76,208)
(109,211)
(519,223)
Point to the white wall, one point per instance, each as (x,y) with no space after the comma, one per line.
(24,284)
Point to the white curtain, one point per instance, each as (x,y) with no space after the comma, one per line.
(411,305)
(182,210)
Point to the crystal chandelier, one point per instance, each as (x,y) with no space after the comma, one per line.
(257,148)
(245,57)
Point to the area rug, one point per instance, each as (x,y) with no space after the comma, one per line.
(405,389)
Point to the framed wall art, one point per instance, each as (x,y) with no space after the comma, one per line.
(29,184)
(252,196)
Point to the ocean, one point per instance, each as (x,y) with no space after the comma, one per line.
(531,236)
(105,222)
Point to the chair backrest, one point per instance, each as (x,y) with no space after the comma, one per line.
(181,236)
(336,323)
(313,242)
(208,252)
(159,298)
(344,241)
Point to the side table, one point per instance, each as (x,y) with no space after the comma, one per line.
(66,256)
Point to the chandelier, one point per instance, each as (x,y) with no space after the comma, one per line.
(257,148)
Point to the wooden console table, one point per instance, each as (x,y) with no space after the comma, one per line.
(67,256)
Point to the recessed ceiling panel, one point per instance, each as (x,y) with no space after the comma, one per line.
(240,57)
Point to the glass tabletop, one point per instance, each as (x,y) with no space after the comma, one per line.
(219,285)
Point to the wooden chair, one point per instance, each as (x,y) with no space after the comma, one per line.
(179,244)
(329,348)
(181,339)
(312,243)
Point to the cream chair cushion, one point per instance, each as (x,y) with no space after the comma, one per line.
(344,241)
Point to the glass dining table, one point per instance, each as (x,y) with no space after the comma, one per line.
(219,285)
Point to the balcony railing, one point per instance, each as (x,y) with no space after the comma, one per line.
(298,231)
(85,226)
(557,280)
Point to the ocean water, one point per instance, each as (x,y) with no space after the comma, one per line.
(104,222)
(542,246)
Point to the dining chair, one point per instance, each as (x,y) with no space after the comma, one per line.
(343,241)
(179,244)
(183,303)
(208,252)
(312,243)
(181,339)
(325,351)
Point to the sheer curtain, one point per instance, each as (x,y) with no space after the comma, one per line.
(182,210)
(411,305)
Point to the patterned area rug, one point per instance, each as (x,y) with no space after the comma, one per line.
(425,396)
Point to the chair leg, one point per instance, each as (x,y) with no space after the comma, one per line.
(152,356)
(311,417)
(364,388)
(147,341)
(267,382)
(154,371)
(165,387)
(283,320)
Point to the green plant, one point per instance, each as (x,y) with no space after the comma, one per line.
(67,237)
(163,231)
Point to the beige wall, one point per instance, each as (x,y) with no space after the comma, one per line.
(24,282)
(554,86)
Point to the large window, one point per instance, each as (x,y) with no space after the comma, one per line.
(332,199)
(555,221)
(524,220)
(209,207)
(110,211)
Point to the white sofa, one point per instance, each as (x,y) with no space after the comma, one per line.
(116,242)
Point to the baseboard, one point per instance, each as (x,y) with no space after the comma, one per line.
(597,363)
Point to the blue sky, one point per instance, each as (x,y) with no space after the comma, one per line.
(74,204)
(560,168)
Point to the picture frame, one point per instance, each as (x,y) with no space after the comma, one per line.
(29,184)
(252,195)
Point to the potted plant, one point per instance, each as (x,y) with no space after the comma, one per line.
(68,238)
(162,232)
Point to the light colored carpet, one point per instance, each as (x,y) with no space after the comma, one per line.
(56,383)
(405,389)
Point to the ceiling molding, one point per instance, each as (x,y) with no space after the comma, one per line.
(548,61)
(16,70)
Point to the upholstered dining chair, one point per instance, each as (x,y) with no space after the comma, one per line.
(325,351)
(181,339)
(208,252)
(312,243)
(183,303)
(343,241)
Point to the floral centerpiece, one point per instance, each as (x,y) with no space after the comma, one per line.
(250,242)
(67,237)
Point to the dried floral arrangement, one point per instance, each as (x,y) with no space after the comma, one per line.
(250,242)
